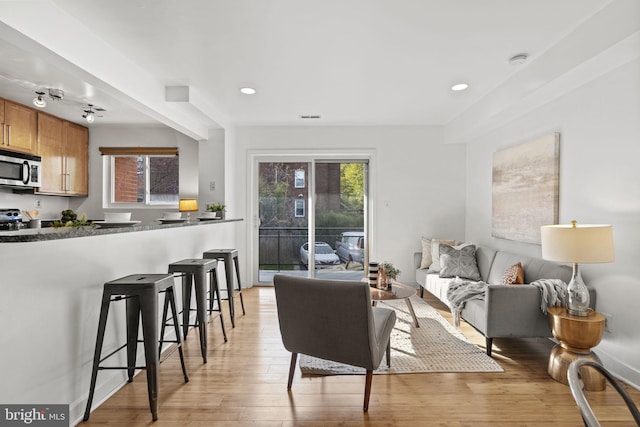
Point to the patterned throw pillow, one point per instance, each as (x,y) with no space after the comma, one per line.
(459,261)
(514,275)
(435,253)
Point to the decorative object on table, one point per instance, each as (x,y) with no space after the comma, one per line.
(525,189)
(374,269)
(70,219)
(218,208)
(388,273)
(436,346)
(577,244)
(188,206)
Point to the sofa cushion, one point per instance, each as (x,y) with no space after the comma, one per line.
(514,275)
(456,261)
(426,253)
(435,253)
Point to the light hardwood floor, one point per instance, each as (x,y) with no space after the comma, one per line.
(244,384)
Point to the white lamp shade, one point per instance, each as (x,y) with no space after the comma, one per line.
(581,244)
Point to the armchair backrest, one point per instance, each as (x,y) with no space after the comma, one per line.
(329,319)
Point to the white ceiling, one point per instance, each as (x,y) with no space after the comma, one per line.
(353,62)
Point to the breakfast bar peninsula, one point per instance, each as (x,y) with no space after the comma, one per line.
(52,282)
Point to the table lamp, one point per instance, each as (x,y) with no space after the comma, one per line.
(577,244)
(188,206)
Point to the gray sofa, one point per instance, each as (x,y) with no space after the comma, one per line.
(507,310)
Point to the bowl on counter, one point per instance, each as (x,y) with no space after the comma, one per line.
(208,214)
(117,216)
(172,215)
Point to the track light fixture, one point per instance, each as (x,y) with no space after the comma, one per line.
(89,115)
(39,101)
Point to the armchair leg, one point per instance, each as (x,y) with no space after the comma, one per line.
(367,389)
(389,354)
(292,369)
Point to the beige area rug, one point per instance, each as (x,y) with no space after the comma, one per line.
(436,346)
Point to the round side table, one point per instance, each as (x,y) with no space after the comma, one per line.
(576,336)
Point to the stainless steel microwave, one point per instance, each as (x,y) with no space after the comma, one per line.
(20,170)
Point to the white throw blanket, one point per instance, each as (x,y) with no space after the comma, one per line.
(460,291)
(553,293)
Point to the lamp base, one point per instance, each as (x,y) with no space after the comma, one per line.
(579,298)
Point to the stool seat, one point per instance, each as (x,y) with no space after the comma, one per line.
(230,259)
(194,272)
(140,291)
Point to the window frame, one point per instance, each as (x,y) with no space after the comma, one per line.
(299,178)
(109,156)
(297,202)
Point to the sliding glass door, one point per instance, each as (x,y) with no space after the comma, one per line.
(312,218)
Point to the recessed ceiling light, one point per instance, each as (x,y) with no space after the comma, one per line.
(247,90)
(459,87)
(518,59)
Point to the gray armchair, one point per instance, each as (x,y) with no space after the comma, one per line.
(333,320)
(573,376)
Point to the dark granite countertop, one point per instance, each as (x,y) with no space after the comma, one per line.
(51,233)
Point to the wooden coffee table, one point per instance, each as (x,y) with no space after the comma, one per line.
(398,291)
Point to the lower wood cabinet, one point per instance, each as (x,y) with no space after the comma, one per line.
(64,148)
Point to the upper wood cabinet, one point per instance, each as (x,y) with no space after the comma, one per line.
(19,128)
(64,148)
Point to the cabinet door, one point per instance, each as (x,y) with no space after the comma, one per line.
(2,122)
(21,126)
(50,149)
(76,153)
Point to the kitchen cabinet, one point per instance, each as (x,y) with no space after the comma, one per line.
(64,148)
(19,127)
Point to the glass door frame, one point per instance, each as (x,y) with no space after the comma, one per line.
(255,157)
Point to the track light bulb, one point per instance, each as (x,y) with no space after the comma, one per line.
(39,101)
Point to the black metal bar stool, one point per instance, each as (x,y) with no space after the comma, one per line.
(140,291)
(230,259)
(194,271)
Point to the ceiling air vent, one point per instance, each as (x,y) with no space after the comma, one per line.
(310,116)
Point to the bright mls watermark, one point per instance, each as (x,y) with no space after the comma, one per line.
(34,415)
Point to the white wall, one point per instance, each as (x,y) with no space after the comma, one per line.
(129,136)
(211,168)
(417,183)
(599,183)
(50,206)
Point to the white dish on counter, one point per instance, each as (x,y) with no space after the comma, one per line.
(171,221)
(112,224)
(118,217)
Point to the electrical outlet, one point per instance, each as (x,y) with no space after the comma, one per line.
(38,203)
(608,322)
(212,185)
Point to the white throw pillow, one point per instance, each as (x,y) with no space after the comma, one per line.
(426,253)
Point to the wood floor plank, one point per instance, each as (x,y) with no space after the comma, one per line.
(244,385)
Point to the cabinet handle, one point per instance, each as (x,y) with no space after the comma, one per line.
(3,132)
(8,134)
(67,182)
